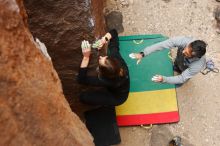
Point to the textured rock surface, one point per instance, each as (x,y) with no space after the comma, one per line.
(33,110)
(62,25)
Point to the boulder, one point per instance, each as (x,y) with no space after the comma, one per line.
(33,109)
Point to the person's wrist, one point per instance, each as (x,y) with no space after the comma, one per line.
(85,57)
(163,79)
(107,36)
(106,39)
(142,54)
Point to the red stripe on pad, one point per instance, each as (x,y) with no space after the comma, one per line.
(144,119)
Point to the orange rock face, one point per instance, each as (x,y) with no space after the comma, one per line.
(33,110)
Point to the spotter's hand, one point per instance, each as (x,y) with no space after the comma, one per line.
(137,56)
(157,78)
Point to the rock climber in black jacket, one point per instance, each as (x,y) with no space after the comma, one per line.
(112,74)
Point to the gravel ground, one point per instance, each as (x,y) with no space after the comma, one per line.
(198,99)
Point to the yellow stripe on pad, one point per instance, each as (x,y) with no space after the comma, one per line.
(149,102)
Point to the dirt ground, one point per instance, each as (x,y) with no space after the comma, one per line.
(198,99)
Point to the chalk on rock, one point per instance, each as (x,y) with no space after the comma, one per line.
(43,48)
